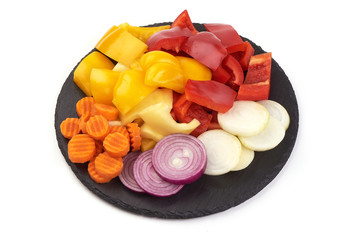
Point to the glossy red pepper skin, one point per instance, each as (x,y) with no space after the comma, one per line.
(180,107)
(259,68)
(254,91)
(185,111)
(236,72)
(257,80)
(225,32)
(184,21)
(221,75)
(242,52)
(170,39)
(210,94)
(202,45)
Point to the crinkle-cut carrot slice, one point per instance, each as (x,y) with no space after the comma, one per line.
(111,113)
(94,175)
(86,106)
(70,127)
(99,147)
(97,127)
(82,122)
(116,144)
(135,138)
(107,166)
(81,148)
(121,129)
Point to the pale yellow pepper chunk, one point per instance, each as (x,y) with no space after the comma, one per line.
(147,144)
(158,118)
(162,95)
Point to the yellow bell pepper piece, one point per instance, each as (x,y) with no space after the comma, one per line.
(153,57)
(158,118)
(130,90)
(143,33)
(119,67)
(102,82)
(121,46)
(147,132)
(166,75)
(163,95)
(193,69)
(83,70)
(147,144)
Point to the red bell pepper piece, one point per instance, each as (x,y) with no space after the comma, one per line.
(180,107)
(254,91)
(221,75)
(185,111)
(242,52)
(214,123)
(226,33)
(259,68)
(169,39)
(257,81)
(184,21)
(206,48)
(211,94)
(234,68)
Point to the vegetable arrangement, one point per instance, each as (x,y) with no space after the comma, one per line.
(165,105)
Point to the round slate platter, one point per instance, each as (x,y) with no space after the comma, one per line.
(209,194)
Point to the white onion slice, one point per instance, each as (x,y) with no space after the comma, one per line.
(245,118)
(268,139)
(222,149)
(277,111)
(246,157)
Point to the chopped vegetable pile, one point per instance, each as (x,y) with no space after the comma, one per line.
(165,105)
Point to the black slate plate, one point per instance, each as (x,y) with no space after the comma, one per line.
(209,194)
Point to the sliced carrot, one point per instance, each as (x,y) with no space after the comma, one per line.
(82,122)
(107,166)
(97,127)
(111,113)
(94,175)
(135,138)
(99,147)
(86,106)
(121,129)
(81,148)
(70,127)
(116,144)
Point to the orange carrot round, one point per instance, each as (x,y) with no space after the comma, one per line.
(94,175)
(82,122)
(116,144)
(109,112)
(121,129)
(81,148)
(97,127)
(70,127)
(86,106)
(107,166)
(135,138)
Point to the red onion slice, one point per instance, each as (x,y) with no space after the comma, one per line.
(127,174)
(149,180)
(179,158)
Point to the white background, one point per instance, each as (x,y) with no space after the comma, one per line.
(315,196)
